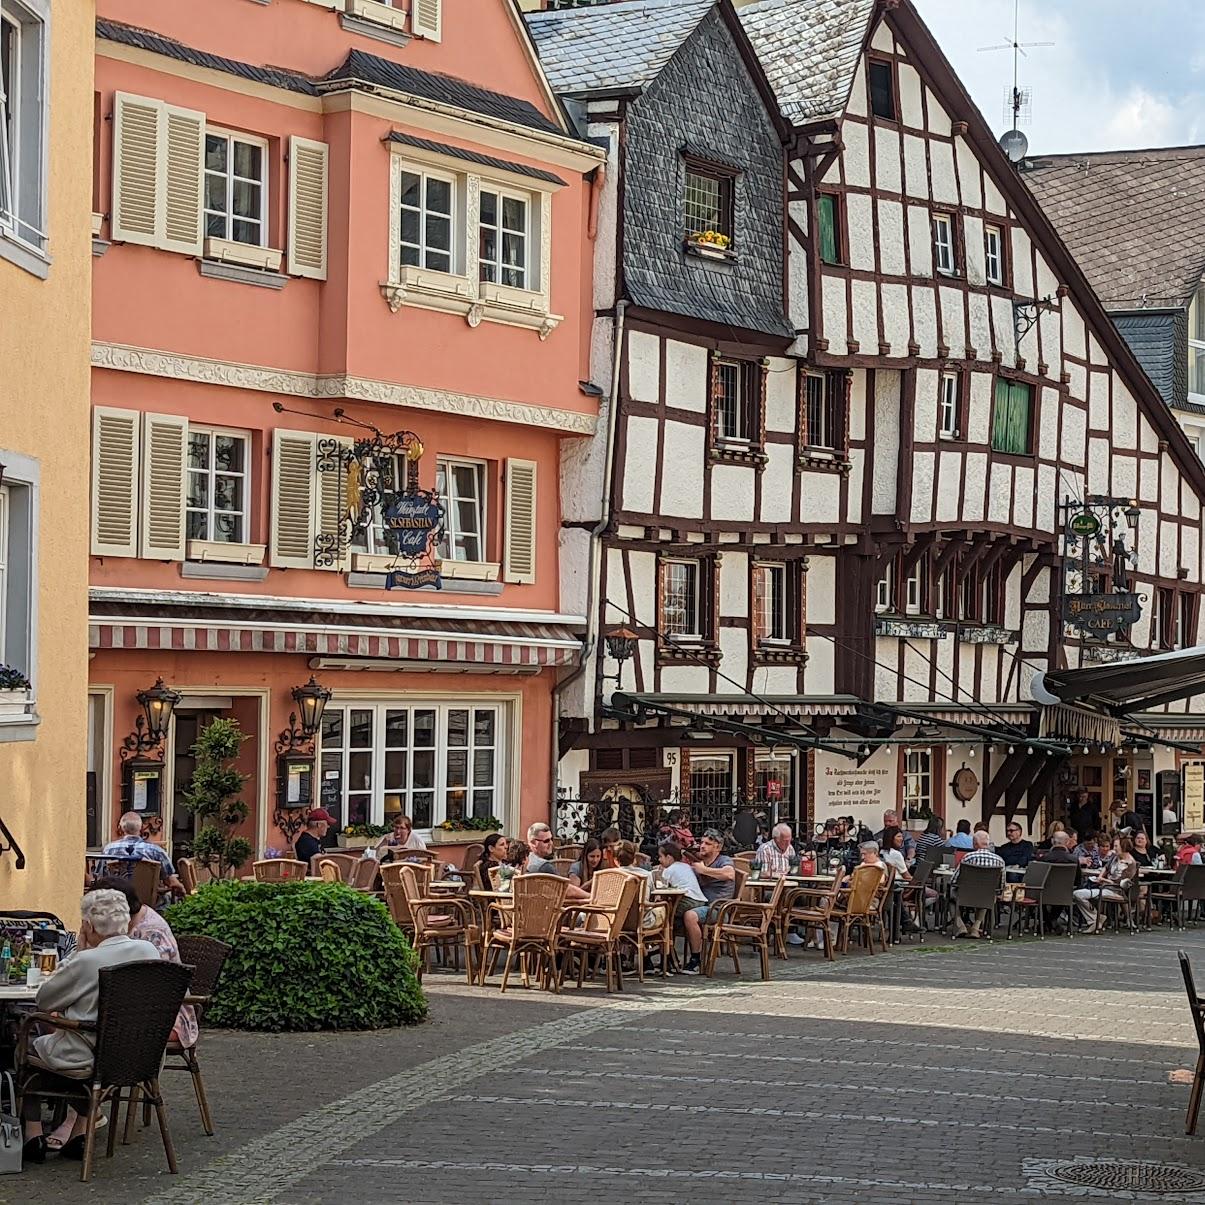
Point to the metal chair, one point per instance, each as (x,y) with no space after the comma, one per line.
(1167,891)
(1127,906)
(1197,1008)
(1058,890)
(1028,894)
(1192,891)
(136,1010)
(278,870)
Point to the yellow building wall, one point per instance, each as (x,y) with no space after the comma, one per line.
(44,413)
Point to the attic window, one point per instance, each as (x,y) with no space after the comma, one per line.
(1196,344)
(708,208)
(882,89)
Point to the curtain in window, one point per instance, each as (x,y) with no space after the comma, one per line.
(1010,431)
(828,229)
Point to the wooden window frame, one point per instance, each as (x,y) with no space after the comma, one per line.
(482,469)
(703,646)
(957,259)
(890,63)
(1167,614)
(726,177)
(752,378)
(840,226)
(886,606)
(1005,281)
(455,251)
(249,484)
(791,648)
(959,376)
(937,775)
(838,384)
(230,137)
(1030,452)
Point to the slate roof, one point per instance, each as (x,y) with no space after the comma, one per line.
(443,89)
(809,50)
(614,46)
(458,152)
(144,39)
(1134,220)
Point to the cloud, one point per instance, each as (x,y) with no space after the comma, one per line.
(1132,76)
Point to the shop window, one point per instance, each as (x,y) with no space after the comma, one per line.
(712,781)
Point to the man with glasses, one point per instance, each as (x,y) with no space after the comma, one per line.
(1015,851)
(539,838)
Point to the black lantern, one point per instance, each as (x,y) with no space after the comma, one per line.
(158,703)
(311,699)
(1132,514)
(621,644)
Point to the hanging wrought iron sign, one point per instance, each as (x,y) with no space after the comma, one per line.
(1100,535)
(1102,614)
(377,495)
(1083,523)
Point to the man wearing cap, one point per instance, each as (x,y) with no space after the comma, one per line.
(310,841)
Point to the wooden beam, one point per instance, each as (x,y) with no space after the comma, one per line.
(979,546)
(1041,788)
(1022,783)
(953,546)
(914,554)
(1003,776)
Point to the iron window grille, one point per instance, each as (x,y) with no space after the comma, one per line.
(708,201)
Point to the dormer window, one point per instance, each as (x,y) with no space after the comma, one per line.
(709,208)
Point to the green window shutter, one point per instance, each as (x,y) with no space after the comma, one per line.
(827,213)
(1000,424)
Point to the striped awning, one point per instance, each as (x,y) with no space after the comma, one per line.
(752,705)
(467,642)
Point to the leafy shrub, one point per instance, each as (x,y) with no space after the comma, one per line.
(305,956)
(473,824)
(214,795)
(12,678)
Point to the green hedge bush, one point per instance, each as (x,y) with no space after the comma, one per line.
(305,956)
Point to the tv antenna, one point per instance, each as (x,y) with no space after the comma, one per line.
(1018,100)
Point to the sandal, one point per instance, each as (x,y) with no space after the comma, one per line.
(54,1143)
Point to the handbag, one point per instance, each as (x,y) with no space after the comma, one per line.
(11,1130)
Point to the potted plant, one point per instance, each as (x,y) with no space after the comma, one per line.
(464,829)
(710,244)
(361,836)
(14,692)
(214,796)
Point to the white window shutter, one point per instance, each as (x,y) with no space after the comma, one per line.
(164,457)
(292,534)
(520,552)
(115,481)
(183,153)
(331,507)
(308,172)
(136,169)
(427,16)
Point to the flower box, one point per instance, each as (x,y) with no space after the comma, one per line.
(13,703)
(460,836)
(346,842)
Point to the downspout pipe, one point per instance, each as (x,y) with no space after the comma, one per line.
(594,559)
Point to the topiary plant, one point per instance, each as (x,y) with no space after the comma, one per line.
(214,795)
(304,956)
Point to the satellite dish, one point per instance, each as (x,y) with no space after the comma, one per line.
(1014,144)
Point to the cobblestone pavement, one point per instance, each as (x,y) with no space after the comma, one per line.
(959,1074)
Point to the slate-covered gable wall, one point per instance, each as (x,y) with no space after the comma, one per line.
(704,99)
(1156,341)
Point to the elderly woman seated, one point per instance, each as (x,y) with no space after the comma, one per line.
(73,993)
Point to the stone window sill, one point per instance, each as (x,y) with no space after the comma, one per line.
(216,270)
(689,654)
(470,571)
(771,653)
(451,294)
(23,727)
(24,255)
(721,255)
(740,454)
(378,13)
(820,458)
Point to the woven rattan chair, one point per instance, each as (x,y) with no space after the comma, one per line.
(186,870)
(137,1007)
(278,870)
(812,907)
(329,871)
(743,922)
(345,862)
(145,878)
(649,927)
(444,923)
(534,927)
(562,865)
(364,877)
(424,857)
(395,897)
(206,956)
(612,896)
(472,855)
(569,849)
(857,906)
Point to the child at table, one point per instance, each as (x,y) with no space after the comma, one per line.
(676,873)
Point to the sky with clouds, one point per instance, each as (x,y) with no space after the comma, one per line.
(1120,75)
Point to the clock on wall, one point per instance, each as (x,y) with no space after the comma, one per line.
(964,784)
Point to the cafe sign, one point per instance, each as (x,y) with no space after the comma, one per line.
(413,523)
(1083,524)
(1101,614)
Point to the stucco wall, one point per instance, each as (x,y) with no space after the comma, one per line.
(44,333)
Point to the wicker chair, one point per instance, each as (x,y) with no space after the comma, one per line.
(472,855)
(857,906)
(569,849)
(278,870)
(562,865)
(206,956)
(136,1009)
(395,896)
(743,921)
(329,871)
(440,924)
(812,908)
(425,857)
(145,878)
(186,869)
(611,900)
(884,903)
(364,877)
(345,862)
(649,926)
(534,928)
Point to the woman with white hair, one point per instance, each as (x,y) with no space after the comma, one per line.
(73,992)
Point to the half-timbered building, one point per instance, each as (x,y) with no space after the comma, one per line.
(843,557)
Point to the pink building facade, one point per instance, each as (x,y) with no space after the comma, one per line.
(316,220)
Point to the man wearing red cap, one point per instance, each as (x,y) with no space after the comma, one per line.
(310,842)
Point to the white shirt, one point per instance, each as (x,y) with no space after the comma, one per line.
(678,874)
(895,857)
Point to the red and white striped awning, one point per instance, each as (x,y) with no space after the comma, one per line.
(447,642)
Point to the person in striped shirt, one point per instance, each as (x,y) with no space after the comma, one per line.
(776,856)
(932,839)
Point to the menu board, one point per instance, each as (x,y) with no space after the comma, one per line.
(1193,776)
